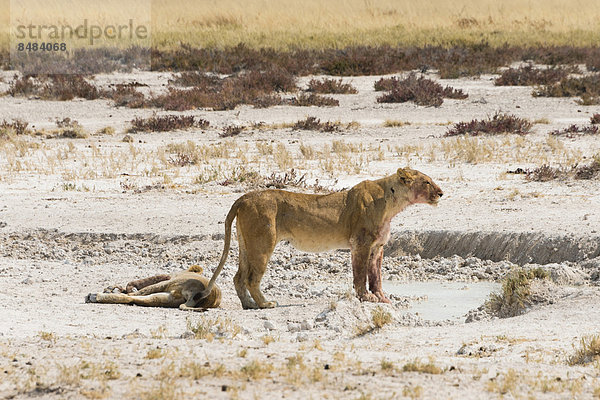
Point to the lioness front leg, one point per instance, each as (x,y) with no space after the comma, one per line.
(360,263)
(374,273)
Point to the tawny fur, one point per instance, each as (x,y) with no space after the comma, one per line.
(173,291)
(358,219)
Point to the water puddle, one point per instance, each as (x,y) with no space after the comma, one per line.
(445,300)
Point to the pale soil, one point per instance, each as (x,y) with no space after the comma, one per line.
(53,345)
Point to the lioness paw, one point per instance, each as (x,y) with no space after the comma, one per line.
(91,298)
(370,297)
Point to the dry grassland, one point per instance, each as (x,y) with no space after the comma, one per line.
(340,23)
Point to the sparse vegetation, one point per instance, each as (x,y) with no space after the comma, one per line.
(332,86)
(500,123)
(574,131)
(392,123)
(588,350)
(107,130)
(315,124)
(232,130)
(426,368)
(255,87)
(16,127)
(595,119)
(53,87)
(516,289)
(256,370)
(587,88)
(166,123)
(208,328)
(547,173)
(528,76)
(68,128)
(307,100)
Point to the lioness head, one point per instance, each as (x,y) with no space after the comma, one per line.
(422,188)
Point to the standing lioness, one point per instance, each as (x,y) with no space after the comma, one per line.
(358,218)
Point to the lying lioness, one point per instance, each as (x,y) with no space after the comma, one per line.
(358,218)
(177,290)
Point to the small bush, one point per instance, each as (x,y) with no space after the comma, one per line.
(545,173)
(331,86)
(232,130)
(165,123)
(68,128)
(386,84)
(421,91)
(529,76)
(575,131)
(516,290)
(315,124)
(595,119)
(306,100)
(587,87)
(17,126)
(127,96)
(498,124)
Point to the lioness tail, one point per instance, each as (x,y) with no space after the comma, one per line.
(228,221)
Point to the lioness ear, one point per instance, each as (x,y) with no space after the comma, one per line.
(196,268)
(404,175)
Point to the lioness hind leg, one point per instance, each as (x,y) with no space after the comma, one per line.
(109,298)
(241,277)
(144,282)
(257,261)
(156,300)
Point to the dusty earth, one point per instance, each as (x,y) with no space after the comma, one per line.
(78,215)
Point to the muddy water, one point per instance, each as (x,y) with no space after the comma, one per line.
(443,300)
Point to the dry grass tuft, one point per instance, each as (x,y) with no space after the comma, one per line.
(332,86)
(588,351)
(421,91)
(498,124)
(256,370)
(379,318)
(425,368)
(516,291)
(392,123)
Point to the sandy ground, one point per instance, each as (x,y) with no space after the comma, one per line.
(77,215)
